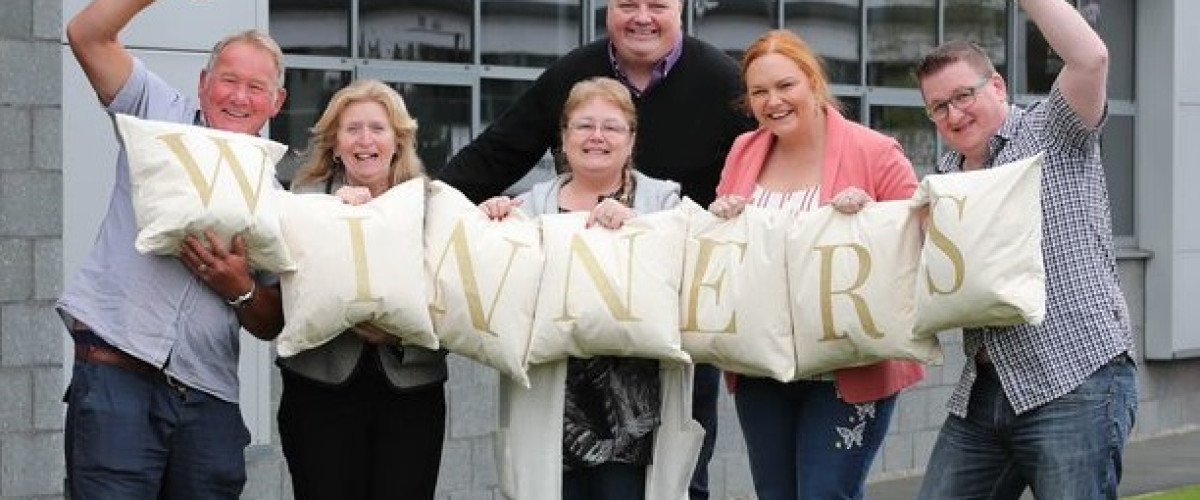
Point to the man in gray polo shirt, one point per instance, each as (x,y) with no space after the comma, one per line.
(152,407)
(1050,406)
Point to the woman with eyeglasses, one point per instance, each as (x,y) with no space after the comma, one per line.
(612,404)
(815,437)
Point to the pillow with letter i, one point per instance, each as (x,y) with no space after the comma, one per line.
(355,264)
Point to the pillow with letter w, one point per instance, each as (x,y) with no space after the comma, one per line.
(982,261)
(851,279)
(355,264)
(186,179)
(610,292)
(735,298)
(484,278)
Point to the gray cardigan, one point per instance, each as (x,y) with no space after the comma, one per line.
(334,362)
(649,195)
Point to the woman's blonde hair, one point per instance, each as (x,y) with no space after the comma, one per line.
(320,163)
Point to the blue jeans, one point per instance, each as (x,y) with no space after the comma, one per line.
(610,481)
(804,442)
(132,435)
(1068,448)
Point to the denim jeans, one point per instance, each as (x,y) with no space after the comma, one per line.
(804,442)
(610,481)
(132,435)
(1069,448)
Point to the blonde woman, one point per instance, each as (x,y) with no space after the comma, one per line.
(362,417)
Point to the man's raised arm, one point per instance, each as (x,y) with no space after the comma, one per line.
(92,34)
(1084,77)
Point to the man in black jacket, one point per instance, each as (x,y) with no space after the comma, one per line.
(685,91)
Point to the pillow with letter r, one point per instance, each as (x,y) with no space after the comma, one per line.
(186,179)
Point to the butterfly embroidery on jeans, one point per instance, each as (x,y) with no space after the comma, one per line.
(851,437)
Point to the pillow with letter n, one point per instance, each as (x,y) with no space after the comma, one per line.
(734,302)
(355,264)
(851,279)
(982,260)
(483,280)
(186,179)
(610,292)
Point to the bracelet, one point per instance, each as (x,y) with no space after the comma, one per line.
(243,300)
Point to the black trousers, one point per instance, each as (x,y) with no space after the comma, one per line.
(362,440)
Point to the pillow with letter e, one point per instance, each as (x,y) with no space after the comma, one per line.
(734,303)
(483,280)
(981,264)
(186,179)
(355,264)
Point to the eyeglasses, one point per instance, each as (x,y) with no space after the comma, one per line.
(962,99)
(608,128)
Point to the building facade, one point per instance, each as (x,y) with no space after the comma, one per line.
(459,64)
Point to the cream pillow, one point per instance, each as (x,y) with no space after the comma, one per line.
(355,264)
(982,260)
(483,280)
(610,292)
(734,302)
(851,279)
(186,179)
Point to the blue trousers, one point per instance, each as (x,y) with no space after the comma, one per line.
(131,435)
(705,387)
(804,442)
(1068,448)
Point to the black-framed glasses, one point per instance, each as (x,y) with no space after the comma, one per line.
(962,98)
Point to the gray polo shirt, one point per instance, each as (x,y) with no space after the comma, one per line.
(150,306)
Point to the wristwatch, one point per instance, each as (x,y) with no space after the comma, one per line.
(243,300)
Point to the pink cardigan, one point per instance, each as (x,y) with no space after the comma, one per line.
(854,156)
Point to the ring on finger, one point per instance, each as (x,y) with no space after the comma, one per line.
(203,268)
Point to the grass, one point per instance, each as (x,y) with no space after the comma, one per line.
(1185,493)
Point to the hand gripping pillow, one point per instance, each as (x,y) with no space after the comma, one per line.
(355,264)
(610,292)
(734,302)
(982,260)
(851,279)
(483,280)
(186,179)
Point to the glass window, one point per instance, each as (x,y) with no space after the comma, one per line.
(731,25)
(1040,65)
(528,33)
(834,30)
(309,90)
(913,130)
(1114,19)
(898,34)
(443,114)
(1116,149)
(311,27)
(416,30)
(984,22)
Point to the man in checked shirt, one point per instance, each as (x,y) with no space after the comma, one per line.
(1047,407)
